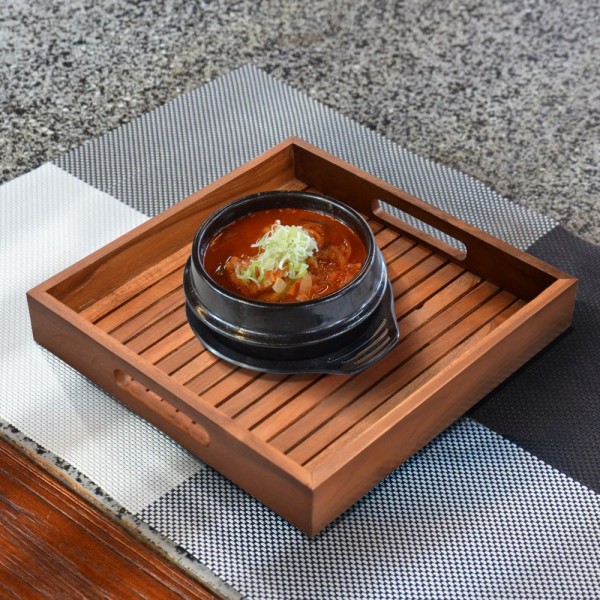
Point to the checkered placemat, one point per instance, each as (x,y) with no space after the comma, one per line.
(503,504)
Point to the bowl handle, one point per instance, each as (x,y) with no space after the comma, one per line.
(383,337)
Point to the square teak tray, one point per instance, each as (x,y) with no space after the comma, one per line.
(307,446)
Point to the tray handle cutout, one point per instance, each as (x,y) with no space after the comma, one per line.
(154,403)
(398,218)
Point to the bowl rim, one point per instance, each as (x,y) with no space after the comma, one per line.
(198,257)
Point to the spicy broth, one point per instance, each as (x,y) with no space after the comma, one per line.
(337,260)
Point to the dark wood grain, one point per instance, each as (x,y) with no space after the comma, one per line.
(55,544)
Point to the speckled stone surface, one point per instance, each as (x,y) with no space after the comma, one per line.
(508,92)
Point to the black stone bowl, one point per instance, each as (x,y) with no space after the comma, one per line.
(344,332)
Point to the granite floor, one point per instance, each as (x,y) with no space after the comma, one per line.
(506,91)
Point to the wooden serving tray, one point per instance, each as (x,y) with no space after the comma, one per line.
(308,446)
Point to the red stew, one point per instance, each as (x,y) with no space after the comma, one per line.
(335,260)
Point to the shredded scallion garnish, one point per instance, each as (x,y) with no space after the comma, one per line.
(284,248)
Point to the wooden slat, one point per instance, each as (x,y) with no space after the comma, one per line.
(151,315)
(381,408)
(221,392)
(293,185)
(158,331)
(169,343)
(361,406)
(375,225)
(195,367)
(404,263)
(386,236)
(418,284)
(208,378)
(244,396)
(180,357)
(330,403)
(443,298)
(141,301)
(396,248)
(274,399)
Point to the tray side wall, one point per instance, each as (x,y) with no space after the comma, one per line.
(435,406)
(494,260)
(108,268)
(229,454)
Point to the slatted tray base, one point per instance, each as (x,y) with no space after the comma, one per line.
(307,445)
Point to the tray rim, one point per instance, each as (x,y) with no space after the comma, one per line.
(46,298)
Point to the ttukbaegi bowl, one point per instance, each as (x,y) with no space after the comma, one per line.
(344,332)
